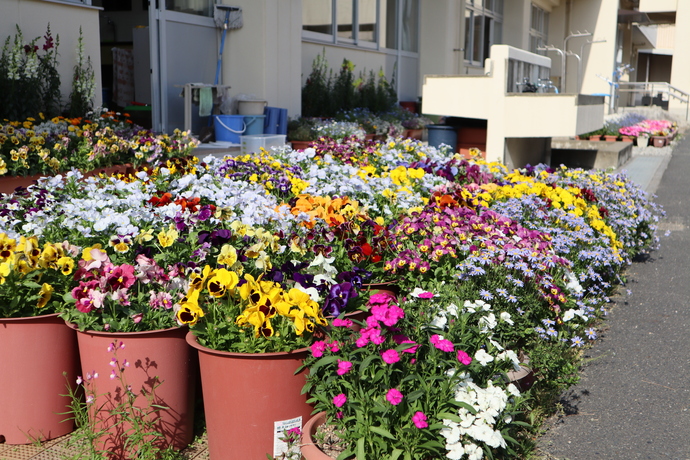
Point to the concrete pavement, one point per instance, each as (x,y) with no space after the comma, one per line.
(633,401)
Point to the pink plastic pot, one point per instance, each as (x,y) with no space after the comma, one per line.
(36,352)
(159,360)
(248,398)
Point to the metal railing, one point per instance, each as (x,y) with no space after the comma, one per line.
(652,93)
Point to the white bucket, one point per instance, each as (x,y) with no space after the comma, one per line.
(251,107)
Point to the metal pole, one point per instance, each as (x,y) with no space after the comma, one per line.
(565,50)
(579,66)
(553,48)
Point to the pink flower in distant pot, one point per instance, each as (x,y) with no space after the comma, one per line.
(441,343)
(394,396)
(419,420)
(390,356)
(464,358)
(343,367)
(340,400)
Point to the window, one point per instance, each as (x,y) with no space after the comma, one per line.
(390,24)
(483,28)
(317,16)
(198,7)
(538,30)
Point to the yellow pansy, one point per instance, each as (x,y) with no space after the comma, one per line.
(168,238)
(44,295)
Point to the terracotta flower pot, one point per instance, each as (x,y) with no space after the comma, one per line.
(523,378)
(36,352)
(413,133)
(310,451)
(8,184)
(659,141)
(300,145)
(250,399)
(160,361)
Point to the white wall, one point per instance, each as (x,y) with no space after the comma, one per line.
(442,29)
(263,58)
(33,17)
(680,70)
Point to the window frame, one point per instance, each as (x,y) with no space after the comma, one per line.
(539,34)
(380,41)
(488,15)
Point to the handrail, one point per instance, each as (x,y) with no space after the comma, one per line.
(656,87)
(650,87)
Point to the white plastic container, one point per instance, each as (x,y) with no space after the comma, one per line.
(245,107)
(254,143)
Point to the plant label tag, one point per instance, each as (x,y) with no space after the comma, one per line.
(279,428)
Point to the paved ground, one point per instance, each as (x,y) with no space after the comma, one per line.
(633,401)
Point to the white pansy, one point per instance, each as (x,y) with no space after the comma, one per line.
(474,452)
(498,346)
(512,356)
(513,390)
(439,321)
(570,314)
(483,357)
(505,316)
(487,322)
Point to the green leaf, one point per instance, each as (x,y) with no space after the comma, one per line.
(382,432)
(449,416)
(415,395)
(395,454)
(322,362)
(345,455)
(519,423)
(361,455)
(365,363)
(509,439)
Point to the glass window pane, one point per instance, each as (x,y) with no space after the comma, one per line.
(366,25)
(498,33)
(468,34)
(317,16)
(345,18)
(488,25)
(199,7)
(410,25)
(477,38)
(387,25)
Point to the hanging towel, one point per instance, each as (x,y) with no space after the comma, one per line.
(205,101)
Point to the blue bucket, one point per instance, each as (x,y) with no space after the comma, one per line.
(229,128)
(443,134)
(254,123)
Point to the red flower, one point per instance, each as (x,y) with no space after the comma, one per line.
(161,201)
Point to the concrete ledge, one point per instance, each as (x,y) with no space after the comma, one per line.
(589,154)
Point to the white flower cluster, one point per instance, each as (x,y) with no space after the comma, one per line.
(338,130)
(478,424)
(16,60)
(31,66)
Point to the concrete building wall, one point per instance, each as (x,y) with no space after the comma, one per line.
(265,59)
(33,17)
(442,30)
(516,24)
(659,6)
(680,70)
(598,17)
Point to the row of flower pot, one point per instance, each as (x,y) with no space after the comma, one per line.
(249,399)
